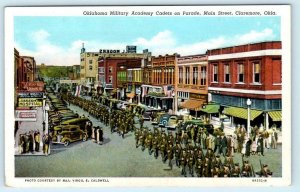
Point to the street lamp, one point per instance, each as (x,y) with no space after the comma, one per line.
(248,118)
(173,95)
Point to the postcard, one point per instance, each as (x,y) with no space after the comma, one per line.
(106,96)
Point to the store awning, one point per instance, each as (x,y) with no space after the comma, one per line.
(241,112)
(211,108)
(130,95)
(193,104)
(275,115)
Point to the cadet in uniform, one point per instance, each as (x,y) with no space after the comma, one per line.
(177,151)
(247,169)
(183,162)
(137,136)
(170,155)
(149,141)
(155,145)
(236,171)
(190,161)
(198,167)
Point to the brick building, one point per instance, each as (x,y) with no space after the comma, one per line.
(159,82)
(251,71)
(191,86)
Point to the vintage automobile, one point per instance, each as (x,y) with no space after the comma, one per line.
(81,121)
(66,134)
(173,121)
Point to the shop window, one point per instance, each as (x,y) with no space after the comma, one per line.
(203,75)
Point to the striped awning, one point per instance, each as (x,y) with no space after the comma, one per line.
(211,108)
(130,95)
(275,115)
(241,112)
(192,104)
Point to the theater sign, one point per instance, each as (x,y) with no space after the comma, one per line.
(25,115)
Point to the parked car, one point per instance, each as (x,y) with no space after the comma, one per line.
(173,121)
(81,121)
(66,134)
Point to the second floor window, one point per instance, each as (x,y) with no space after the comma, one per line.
(180,75)
(256,72)
(215,73)
(241,73)
(90,67)
(110,79)
(203,76)
(187,75)
(195,75)
(226,73)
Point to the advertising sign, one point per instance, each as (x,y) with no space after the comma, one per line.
(35,86)
(130,49)
(30,102)
(25,115)
(30,94)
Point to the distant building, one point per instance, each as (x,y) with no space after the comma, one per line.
(92,65)
(251,71)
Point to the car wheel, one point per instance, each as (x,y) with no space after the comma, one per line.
(66,143)
(84,138)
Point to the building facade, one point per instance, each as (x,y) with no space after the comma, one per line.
(158,90)
(92,63)
(191,88)
(247,72)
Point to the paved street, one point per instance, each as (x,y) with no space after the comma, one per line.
(117,157)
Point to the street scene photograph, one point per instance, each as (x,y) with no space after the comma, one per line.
(122,95)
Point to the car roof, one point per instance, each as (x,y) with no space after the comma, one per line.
(75,120)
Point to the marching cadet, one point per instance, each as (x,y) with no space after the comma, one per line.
(265,171)
(141,120)
(216,161)
(198,167)
(199,153)
(177,151)
(184,138)
(155,145)
(229,160)
(122,129)
(215,171)
(190,162)
(247,169)
(206,167)
(149,141)
(183,162)
(209,153)
(163,145)
(170,138)
(170,155)
(226,171)
(143,138)
(177,138)
(236,171)
(137,136)
(156,132)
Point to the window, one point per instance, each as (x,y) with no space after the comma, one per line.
(82,67)
(110,70)
(203,76)
(256,72)
(110,79)
(187,75)
(226,73)
(90,61)
(90,67)
(101,69)
(215,73)
(241,73)
(195,75)
(180,75)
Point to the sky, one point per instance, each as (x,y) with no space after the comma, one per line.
(57,40)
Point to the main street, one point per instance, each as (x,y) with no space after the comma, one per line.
(117,157)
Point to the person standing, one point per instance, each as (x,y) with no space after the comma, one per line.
(223,145)
(260,145)
(37,141)
(46,142)
(274,138)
